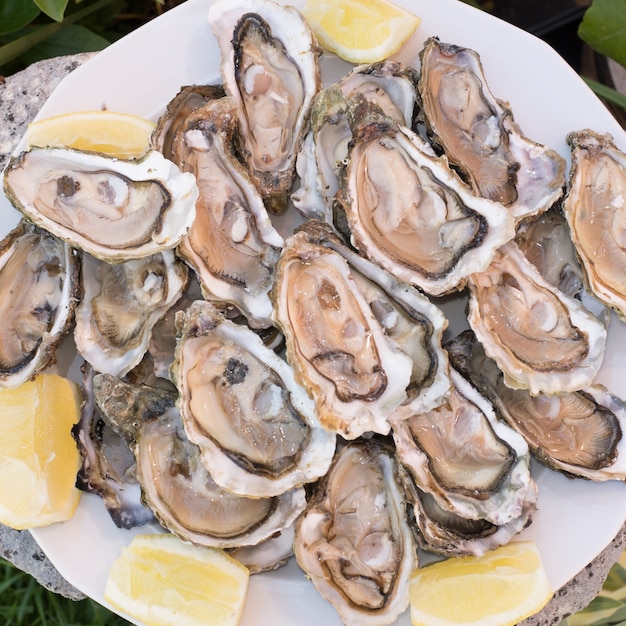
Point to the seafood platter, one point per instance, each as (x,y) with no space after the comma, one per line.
(340,320)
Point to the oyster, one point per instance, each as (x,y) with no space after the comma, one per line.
(239,402)
(269,65)
(108,464)
(472,464)
(580,433)
(357,375)
(542,339)
(479,136)
(595,207)
(174,482)
(111,208)
(232,245)
(354,541)
(410,213)
(38,291)
(121,303)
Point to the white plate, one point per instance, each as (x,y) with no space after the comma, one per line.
(576,519)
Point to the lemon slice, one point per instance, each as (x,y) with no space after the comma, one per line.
(360,31)
(38,455)
(500,588)
(117,134)
(160,580)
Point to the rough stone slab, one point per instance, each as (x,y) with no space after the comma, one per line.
(21,97)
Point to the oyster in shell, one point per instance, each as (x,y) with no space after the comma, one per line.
(121,303)
(595,208)
(38,291)
(542,339)
(269,65)
(472,464)
(232,245)
(340,353)
(354,541)
(479,136)
(111,208)
(580,433)
(256,427)
(410,213)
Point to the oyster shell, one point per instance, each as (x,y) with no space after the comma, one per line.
(113,209)
(38,291)
(232,245)
(354,540)
(542,339)
(269,65)
(239,402)
(479,136)
(471,463)
(410,213)
(594,208)
(340,353)
(121,303)
(579,433)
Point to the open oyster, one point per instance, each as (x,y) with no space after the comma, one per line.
(542,339)
(354,540)
(580,433)
(121,303)
(38,291)
(269,65)
(108,207)
(595,208)
(479,136)
(232,245)
(409,212)
(357,375)
(239,402)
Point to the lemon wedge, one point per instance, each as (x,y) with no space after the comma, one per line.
(500,588)
(360,31)
(38,455)
(117,134)
(160,580)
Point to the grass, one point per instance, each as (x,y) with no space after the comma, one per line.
(24,602)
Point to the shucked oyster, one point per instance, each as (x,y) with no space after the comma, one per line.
(121,303)
(232,245)
(542,339)
(38,291)
(110,208)
(354,540)
(479,136)
(239,402)
(269,65)
(357,375)
(580,433)
(410,213)
(595,207)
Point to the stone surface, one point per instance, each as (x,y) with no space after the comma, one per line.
(21,97)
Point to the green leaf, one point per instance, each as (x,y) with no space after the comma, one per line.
(603,27)
(15,14)
(53,8)
(69,40)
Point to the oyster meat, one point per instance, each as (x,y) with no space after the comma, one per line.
(410,213)
(354,540)
(595,208)
(340,353)
(121,303)
(256,427)
(38,291)
(111,208)
(269,65)
(542,339)
(479,136)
